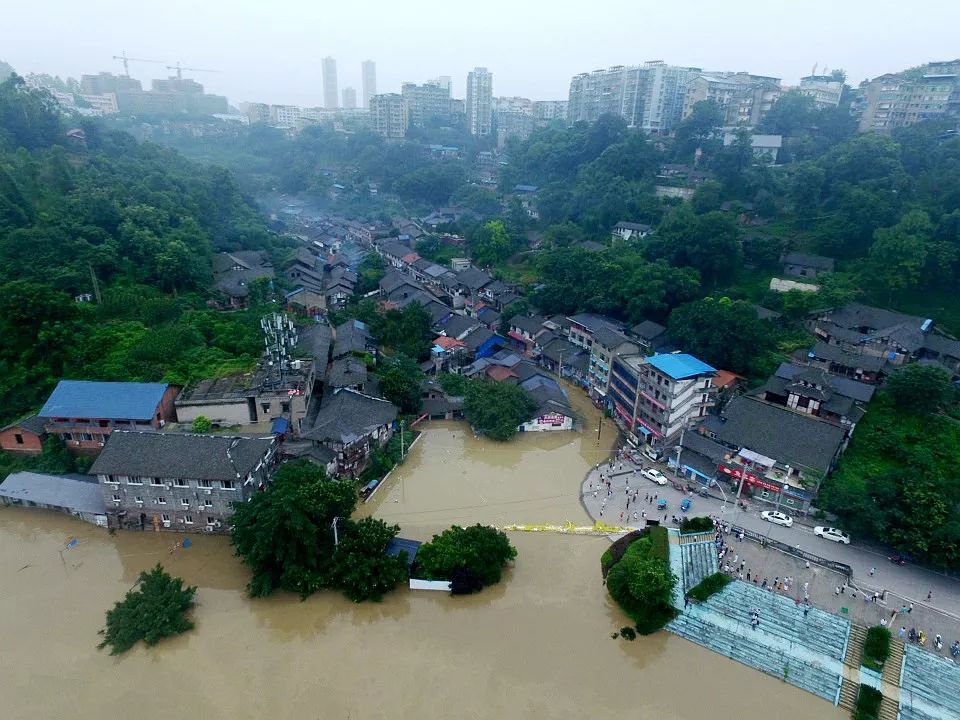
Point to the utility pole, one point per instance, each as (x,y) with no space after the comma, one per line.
(560,367)
(401,440)
(336,538)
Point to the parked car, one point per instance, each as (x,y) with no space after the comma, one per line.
(654,475)
(777,518)
(828,533)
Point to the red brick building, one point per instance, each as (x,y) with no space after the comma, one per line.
(25,436)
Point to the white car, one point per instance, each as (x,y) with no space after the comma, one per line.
(654,475)
(777,518)
(834,534)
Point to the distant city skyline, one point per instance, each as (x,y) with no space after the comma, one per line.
(261,55)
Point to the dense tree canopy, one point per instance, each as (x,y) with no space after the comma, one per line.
(497,409)
(725,333)
(481,550)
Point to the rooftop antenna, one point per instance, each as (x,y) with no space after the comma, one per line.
(814,71)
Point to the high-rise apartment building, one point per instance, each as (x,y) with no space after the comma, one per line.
(444,81)
(106,82)
(743,99)
(368,73)
(331,94)
(479,103)
(899,100)
(426,101)
(649,96)
(258,113)
(824,89)
(349,98)
(388,115)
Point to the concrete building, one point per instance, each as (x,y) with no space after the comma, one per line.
(899,100)
(105,82)
(331,93)
(766,148)
(349,98)
(286,116)
(656,397)
(83,413)
(743,98)
(24,437)
(180,482)
(258,113)
(388,115)
(77,496)
(479,102)
(545,111)
(368,74)
(607,344)
(425,101)
(824,89)
(650,96)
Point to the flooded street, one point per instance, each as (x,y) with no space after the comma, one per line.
(536,646)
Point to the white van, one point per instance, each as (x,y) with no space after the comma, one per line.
(651,453)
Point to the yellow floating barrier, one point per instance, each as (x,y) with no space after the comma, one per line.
(568,528)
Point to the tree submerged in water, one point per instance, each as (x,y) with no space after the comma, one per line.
(158,609)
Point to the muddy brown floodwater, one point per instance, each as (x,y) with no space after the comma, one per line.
(536,646)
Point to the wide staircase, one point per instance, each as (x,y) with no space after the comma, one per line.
(803,651)
(848,694)
(894,664)
(854,654)
(698,553)
(930,688)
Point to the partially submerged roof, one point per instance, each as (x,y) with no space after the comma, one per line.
(180,455)
(104,400)
(55,490)
(348,415)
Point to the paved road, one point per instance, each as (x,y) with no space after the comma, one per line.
(910,582)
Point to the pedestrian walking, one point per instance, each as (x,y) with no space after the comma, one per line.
(910,609)
(621,516)
(644,514)
(806,610)
(873,571)
(902,632)
(837,591)
(736,557)
(635,515)
(748,576)
(594,493)
(805,586)
(929,595)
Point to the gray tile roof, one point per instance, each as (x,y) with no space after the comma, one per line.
(180,455)
(252,264)
(351,336)
(832,353)
(648,330)
(31,423)
(457,325)
(55,491)
(394,280)
(610,338)
(818,262)
(473,278)
(532,325)
(347,416)
(316,339)
(347,372)
(786,436)
(862,392)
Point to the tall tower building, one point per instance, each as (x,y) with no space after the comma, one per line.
(368,73)
(479,101)
(349,98)
(330,92)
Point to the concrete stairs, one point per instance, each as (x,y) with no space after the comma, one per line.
(894,663)
(848,694)
(854,655)
(889,709)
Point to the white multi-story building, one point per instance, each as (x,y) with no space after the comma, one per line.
(331,95)
(824,89)
(388,115)
(479,102)
(547,110)
(425,101)
(742,98)
(368,73)
(349,98)
(285,116)
(656,397)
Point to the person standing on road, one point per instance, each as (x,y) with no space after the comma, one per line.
(929,595)
(873,571)
(837,591)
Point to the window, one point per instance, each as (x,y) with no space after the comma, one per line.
(161,500)
(86,437)
(67,436)
(156,481)
(116,498)
(188,519)
(138,500)
(111,479)
(204,484)
(185,502)
(18,438)
(285,406)
(208,503)
(180,482)
(211,519)
(265,407)
(226,484)
(165,517)
(131,480)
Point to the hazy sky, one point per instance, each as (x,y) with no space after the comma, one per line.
(270,50)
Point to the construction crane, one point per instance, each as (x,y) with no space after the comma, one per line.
(126,68)
(180,69)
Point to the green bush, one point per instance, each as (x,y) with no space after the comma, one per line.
(642,584)
(482,549)
(660,544)
(708,586)
(876,648)
(611,556)
(696,524)
(868,704)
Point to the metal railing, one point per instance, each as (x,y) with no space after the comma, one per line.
(765,541)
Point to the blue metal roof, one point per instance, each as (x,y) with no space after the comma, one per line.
(680,365)
(104,400)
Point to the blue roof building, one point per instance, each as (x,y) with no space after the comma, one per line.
(75,399)
(680,366)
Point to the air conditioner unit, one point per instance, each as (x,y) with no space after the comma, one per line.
(209,528)
(217,523)
(166,523)
(208,491)
(169,486)
(180,520)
